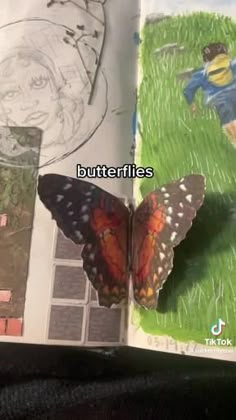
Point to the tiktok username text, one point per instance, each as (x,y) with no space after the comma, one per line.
(103,171)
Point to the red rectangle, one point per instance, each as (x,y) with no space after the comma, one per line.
(3,220)
(3,326)
(5,296)
(14,327)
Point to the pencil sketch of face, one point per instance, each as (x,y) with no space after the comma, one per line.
(30,96)
(30,99)
(47,84)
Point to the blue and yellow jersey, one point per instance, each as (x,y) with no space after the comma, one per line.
(215,78)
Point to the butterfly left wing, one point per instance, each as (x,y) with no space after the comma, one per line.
(160,223)
(90,216)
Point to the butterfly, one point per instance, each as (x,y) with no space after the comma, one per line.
(120,242)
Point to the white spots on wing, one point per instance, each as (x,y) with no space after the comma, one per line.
(71,213)
(92,256)
(162,256)
(94,270)
(181,205)
(167,195)
(85,218)
(170,210)
(79,235)
(88,193)
(84,208)
(169,220)
(189,198)
(163,189)
(163,246)
(59,197)
(180,215)
(160,270)
(88,200)
(183,187)
(92,187)
(67,186)
(166,201)
(173,236)
(69,204)
(177,225)
(182,180)
(74,223)
(169,272)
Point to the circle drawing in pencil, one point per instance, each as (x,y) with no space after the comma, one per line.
(47,80)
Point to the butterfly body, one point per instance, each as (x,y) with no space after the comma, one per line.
(121,243)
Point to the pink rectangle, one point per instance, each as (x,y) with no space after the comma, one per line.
(5,296)
(3,220)
(14,327)
(3,326)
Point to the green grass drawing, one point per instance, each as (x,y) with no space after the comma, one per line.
(202,286)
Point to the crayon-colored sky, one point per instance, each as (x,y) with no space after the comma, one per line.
(227,7)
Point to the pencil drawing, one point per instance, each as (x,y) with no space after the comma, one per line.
(49,79)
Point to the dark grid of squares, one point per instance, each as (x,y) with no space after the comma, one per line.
(66,249)
(104,325)
(66,323)
(69,283)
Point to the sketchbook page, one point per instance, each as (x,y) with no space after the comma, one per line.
(187,125)
(68,69)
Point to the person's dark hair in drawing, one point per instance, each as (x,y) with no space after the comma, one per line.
(212,50)
(217,79)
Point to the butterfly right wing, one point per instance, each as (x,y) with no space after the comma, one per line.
(161,222)
(91,216)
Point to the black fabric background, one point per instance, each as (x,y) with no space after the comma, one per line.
(40,382)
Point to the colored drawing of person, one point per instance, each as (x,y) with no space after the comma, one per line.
(217,79)
(32,95)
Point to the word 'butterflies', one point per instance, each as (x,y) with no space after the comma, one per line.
(120,241)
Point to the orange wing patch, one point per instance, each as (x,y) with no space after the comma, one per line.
(156,221)
(111,236)
(145,250)
(147,247)
(106,262)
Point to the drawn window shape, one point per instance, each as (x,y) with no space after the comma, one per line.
(66,323)
(69,283)
(66,249)
(14,327)
(104,325)
(93,294)
(3,220)
(5,296)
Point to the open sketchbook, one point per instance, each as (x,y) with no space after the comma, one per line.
(71,75)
